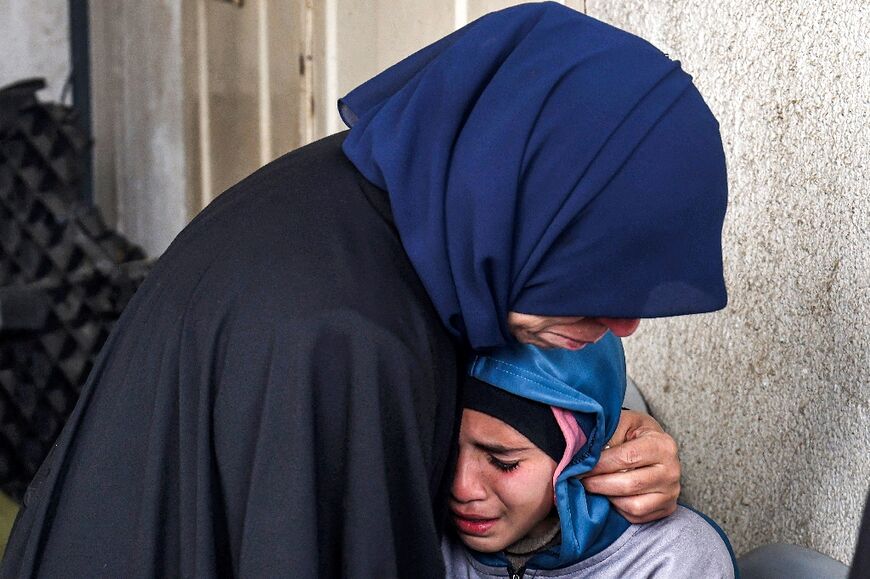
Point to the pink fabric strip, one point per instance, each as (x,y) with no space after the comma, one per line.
(574,440)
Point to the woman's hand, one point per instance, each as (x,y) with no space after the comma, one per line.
(640,471)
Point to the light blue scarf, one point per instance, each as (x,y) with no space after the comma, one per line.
(590,385)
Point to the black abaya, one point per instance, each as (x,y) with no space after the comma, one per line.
(278,400)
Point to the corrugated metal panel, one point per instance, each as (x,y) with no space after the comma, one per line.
(187,107)
(356,39)
(248,87)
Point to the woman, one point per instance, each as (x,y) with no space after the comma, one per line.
(533,421)
(299,338)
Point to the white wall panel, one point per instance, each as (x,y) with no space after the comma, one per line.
(233,150)
(217,90)
(34,36)
(356,39)
(363,37)
(139,118)
(477,8)
(188,98)
(250,86)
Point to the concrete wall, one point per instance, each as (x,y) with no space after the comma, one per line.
(770,399)
(34,41)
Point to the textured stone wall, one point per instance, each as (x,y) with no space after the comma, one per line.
(770,399)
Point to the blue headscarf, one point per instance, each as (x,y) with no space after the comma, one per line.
(590,383)
(540,161)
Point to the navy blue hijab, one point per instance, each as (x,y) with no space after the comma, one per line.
(540,161)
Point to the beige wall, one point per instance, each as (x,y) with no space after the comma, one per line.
(770,399)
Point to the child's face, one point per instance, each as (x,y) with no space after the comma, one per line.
(503,486)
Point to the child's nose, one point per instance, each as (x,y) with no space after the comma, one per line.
(467,481)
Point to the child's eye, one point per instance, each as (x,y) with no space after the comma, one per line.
(503,466)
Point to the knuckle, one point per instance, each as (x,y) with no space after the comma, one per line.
(671,446)
(633,507)
(651,424)
(591,485)
(631,456)
(672,474)
(636,486)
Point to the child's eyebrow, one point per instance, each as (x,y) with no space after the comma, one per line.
(499,449)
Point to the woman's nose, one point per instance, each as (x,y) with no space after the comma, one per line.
(467,481)
(622,327)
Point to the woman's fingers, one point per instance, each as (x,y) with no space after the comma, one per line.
(631,425)
(644,508)
(640,473)
(647,449)
(648,479)
(640,495)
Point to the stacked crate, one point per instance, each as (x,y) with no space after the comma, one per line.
(65,277)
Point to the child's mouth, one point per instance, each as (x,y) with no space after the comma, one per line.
(473,526)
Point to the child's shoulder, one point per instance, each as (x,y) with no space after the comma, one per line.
(685,544)
(687,528)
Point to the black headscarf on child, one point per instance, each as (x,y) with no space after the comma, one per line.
(532,419)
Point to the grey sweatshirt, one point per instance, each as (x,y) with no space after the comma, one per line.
(683,545)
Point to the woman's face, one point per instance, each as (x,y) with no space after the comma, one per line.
(503,486)
(571,333)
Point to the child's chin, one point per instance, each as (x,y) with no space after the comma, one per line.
(483,544)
